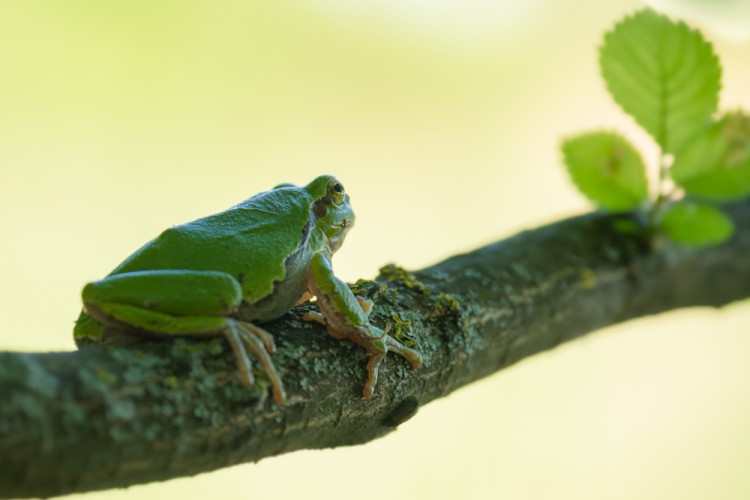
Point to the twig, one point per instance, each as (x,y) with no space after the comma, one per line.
(113,416)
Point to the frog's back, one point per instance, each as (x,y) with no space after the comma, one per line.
(250,241)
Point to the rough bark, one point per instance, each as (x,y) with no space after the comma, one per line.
(112,416)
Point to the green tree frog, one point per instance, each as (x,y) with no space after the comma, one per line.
(223,274)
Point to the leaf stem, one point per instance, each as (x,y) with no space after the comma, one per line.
(662,196)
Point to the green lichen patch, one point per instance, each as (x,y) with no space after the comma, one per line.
(172,381)
(417,303)
(445,304)
(363,287)
(392,272)
(372,290)
(401,330)
(441,303)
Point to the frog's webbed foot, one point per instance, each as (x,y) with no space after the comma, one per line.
(378,349)
(244,337)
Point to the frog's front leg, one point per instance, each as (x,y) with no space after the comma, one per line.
(320,318)
(365,304)
(346,317)
(184,303)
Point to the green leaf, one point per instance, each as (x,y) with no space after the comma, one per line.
(607,170)
(717,164)
(663,74)
(696,224)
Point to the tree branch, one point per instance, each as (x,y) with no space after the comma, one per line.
(113,416)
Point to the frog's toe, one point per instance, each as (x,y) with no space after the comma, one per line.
(368,391)
(412,356)
(244,366)
(262,335)
(376,357)
(307,296)
(315,316)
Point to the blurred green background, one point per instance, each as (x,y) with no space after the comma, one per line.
(443,119)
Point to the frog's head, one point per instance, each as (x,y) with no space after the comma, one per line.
(332,210)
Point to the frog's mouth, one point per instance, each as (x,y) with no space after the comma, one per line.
(337,239)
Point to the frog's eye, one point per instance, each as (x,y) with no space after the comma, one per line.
(336,192)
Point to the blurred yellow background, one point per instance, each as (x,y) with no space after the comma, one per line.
(442,118)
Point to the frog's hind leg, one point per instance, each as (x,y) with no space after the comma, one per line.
(259,343)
